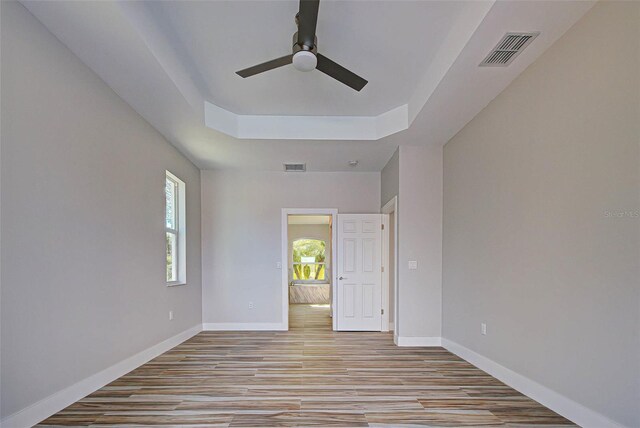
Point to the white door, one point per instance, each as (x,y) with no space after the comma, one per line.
(359,272)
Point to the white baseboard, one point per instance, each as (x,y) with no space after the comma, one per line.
(560,404)
(244,326)
(416,341)
(52,404)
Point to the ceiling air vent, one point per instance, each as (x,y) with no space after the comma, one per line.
(507,49)
(295,167)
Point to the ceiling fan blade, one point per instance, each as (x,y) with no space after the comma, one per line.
(307,20)
(265,66)
(340,73)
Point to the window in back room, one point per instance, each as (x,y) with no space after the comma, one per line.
(309,260)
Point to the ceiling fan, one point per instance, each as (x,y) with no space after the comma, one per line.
(305,56)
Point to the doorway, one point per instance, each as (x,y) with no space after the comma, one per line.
(308,258)
(390,262)
(357,283)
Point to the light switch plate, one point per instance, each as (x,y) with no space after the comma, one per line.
(413,264)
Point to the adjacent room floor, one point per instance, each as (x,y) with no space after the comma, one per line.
(308,376)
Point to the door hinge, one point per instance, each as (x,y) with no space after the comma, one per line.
(381,311)
(382,268)
(382,226)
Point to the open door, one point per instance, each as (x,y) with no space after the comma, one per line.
(359,272)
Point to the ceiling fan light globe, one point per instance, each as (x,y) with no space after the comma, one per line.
(304,61)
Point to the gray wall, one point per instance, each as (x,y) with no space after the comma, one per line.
(390,187)
(420,239)
(390,178)
(83,245)
(414,174)
(241,233)
(529,246)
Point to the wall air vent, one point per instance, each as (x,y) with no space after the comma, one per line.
(295,167)
(507,49)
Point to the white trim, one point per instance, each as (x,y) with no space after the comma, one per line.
(244,326)
(57,401)
(391,326)
(560,404)
(392,207)
(417,341)
(284,230)
(385,272)
(176,283)
(272,127)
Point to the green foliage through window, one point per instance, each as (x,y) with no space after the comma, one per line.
(309,260)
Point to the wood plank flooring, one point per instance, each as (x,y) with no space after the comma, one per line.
(309,293)
(309,376)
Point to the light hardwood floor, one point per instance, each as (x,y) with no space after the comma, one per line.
(308,376)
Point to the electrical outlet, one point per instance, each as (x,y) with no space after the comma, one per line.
(170,315)
(483,329)
(278,265)
(251,305)
(413,264)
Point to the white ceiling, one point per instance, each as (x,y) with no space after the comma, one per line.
(167,59)
(219,38)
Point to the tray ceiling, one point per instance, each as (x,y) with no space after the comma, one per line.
(174,62)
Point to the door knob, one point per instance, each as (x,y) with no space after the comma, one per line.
(341,278)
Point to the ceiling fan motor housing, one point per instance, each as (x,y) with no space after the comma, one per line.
(304,57)
(304,61)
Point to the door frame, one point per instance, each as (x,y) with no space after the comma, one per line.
(333,212)
(390,207)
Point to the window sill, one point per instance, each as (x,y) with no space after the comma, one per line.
(309,283)
(176,283)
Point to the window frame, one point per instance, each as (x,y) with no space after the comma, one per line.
(179,230)
(310,281)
